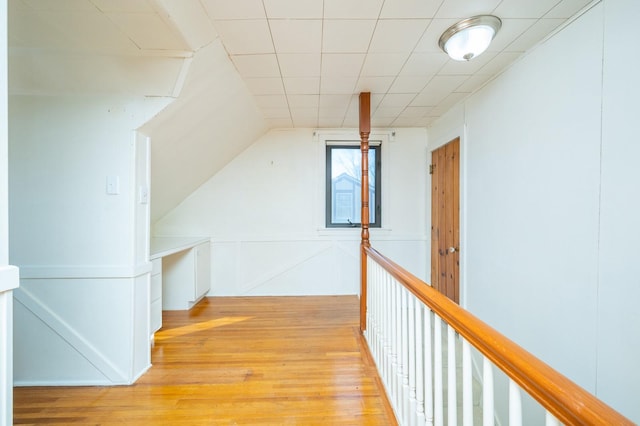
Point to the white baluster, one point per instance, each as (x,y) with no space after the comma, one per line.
(550,420)
(398,347)
(420,358)
(467,384)
(405,358)
(438,419)
(411,315)
(428,368)
(370,331)
(452,399)
(374,273)
(487,392)
(515,404)
(388,333)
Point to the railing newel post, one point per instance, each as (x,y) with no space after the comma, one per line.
(365,129)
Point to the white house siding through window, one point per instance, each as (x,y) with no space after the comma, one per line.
(344,187)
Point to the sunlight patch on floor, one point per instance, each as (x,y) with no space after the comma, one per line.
(193,328)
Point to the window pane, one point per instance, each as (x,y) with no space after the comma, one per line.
(346,173)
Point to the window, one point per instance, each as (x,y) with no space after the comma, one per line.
(343,184)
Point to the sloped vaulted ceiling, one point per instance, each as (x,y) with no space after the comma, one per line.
(213,120)
(141,48)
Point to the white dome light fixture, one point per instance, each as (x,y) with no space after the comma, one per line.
(470,37)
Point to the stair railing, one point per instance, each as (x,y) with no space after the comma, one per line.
(404,323)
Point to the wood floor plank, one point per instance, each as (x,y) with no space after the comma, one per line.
(236,361)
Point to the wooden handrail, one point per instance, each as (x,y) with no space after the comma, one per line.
(568,402)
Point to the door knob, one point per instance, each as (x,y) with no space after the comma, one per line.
(452,249)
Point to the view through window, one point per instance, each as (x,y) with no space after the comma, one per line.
(344,180)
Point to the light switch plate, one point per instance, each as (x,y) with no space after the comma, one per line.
(143,194)
(113,185)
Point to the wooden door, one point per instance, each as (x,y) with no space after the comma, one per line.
(445,219)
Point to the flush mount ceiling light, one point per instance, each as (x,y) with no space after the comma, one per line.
(470,37)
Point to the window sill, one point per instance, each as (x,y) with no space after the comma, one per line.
(349,232)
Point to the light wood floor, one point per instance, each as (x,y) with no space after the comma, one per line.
(232,361)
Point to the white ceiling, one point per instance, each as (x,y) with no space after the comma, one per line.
(304,61)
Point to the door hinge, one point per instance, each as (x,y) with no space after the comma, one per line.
(432,167)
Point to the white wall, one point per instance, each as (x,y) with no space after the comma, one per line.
(618,376)
(551,202)
(265,214)
(213,120)
(85,275)
(8,275)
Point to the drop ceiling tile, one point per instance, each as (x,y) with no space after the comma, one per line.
(299,65)
(274,112)
(293,9)
(337,85)
(416,112)
(426,121)
(409,84)
(409,9)
(429,40)
(351,122)
(499,63)
(376,98)
(424,64)
(303,101)
(397,35)
(330,122)
(352,9)
(567,8)
(460,9)
(400,100)
(382,121)
(342,64)
(474,82)
(271,101)
(279,123)
(334,103)
(296,35)
(383,64)
(306,122)
(304,113)
(302,85)
(467,67)
(451,100)
(265,65)
(536,33)
(511,30)
(347,36)
(524,8)
(265,86)
(128,6)
(242,37)
(225,9)
(404,121)
(374,84)
(438,88)
(354,106)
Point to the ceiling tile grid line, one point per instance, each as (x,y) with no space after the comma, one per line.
(308,57)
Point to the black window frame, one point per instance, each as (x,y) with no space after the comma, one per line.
(373,204)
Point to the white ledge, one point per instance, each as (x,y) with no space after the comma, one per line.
(9,278)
